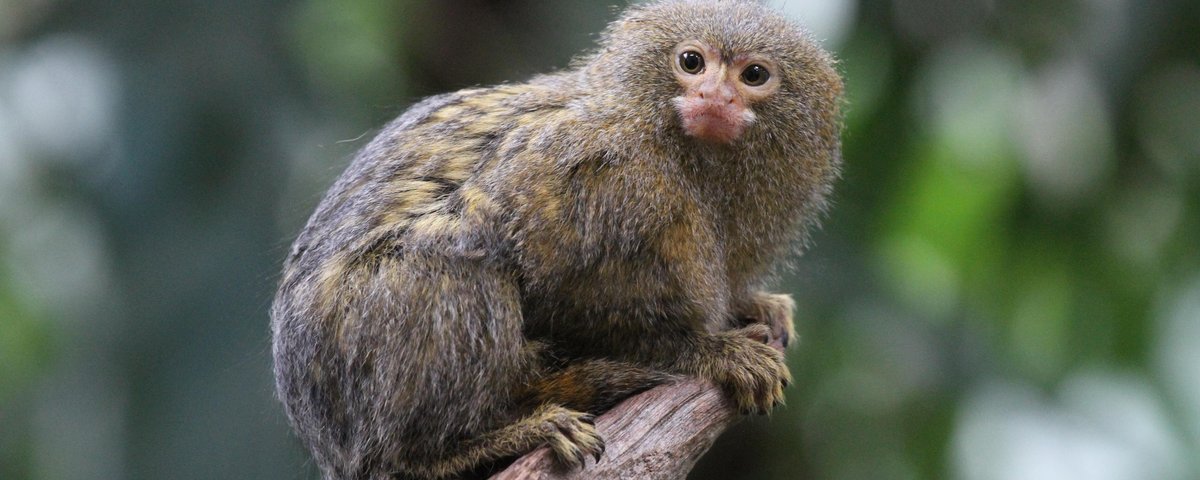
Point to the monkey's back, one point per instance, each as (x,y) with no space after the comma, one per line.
(431,171)
(397,325)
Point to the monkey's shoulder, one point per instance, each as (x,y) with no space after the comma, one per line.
(419,180)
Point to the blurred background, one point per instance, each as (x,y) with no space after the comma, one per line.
(1008,286)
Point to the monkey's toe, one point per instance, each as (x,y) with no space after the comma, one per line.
(757,332)
(572,436)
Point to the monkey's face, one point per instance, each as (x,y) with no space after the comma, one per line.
(722,73)
(719,91)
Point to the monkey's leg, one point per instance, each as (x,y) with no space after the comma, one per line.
(570,434)
(595,385)
(773,310)
(564,402)
(441,362)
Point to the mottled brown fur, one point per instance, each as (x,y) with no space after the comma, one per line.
(499,264)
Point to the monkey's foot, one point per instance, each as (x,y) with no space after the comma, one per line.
(571,435)
(773,310)
(750,371)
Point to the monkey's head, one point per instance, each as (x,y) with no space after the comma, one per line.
(722,72)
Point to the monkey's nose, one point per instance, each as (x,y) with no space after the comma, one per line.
(719,94)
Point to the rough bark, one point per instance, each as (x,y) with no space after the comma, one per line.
(658,434)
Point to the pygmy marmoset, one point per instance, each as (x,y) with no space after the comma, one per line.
(500,264)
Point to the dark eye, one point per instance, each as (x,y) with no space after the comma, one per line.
(755,75)
(691,62)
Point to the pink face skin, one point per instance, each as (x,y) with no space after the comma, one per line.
(717,97)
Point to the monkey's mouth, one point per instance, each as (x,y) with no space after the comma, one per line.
(713,121)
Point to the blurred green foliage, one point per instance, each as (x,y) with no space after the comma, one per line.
(1008,286)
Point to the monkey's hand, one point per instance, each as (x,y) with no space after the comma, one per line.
(750,371)
(773,310)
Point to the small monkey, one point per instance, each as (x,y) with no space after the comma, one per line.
(501,264)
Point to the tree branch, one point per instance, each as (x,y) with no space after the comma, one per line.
(658,434)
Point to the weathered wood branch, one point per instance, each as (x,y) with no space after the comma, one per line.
(658,434)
